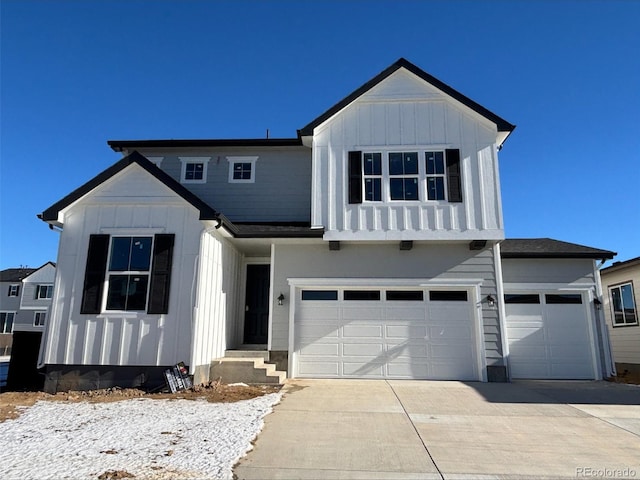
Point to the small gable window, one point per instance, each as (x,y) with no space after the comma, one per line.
(403,175)
(194,169)
(242,169)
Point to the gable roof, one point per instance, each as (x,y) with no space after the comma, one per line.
(503,125)
(15,274)
(620,265)
(549,248)
(206,212)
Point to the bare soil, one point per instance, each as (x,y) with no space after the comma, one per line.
(626,377)
(13,403)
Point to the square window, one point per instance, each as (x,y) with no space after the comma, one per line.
(242,169)
(403,188)
(403,163)
(194,169)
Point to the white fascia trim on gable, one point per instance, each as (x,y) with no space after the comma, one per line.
(242,159)
(187,160)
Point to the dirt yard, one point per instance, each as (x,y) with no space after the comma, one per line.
(10,402)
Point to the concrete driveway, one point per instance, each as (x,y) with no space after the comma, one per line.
(376,429)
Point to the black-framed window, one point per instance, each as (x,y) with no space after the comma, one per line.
(44,292)
(319,295)
(194,171)
(39,318)
(448,295)
(372,171)
(136,272)
(563,299)
(405,295)
(6,321)
(623,305)
(362,295)
(522,298)
(242,170)
(403,176)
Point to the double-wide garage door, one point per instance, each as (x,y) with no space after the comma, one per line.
(385,333)
(549,336)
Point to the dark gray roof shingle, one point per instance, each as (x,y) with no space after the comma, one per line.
(549,248)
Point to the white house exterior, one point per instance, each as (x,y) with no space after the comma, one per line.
(621,291)
(369,246)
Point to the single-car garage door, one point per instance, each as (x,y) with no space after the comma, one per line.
(549,336)
(385,333)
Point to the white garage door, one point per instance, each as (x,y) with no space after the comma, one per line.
(549,336)
(384,333)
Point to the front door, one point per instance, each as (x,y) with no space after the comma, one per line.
(256,315)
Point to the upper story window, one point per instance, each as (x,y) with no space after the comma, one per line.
(194,169)
(242,169)
(13,290)
(44,292)
(6,321)
(623,305)
(131,273)
(388,176)
(39,319)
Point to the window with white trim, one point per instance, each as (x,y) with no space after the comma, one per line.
(44,292)
(194,169)
(6,321)
(403,176)
(435,175)
(13,290)
(39,319)
(623,305)
(372,176)
(242,169)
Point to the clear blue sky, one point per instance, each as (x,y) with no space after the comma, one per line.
(75,74)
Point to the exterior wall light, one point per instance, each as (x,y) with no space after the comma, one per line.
(280,298)
(597,303)
(491,301)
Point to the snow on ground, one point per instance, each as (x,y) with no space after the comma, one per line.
(151,439)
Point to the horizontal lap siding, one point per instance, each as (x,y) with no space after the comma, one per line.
(442,262)
(625,341)
(280,192)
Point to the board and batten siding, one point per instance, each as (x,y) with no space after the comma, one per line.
(625,340)
(404,113)
(442,262)
(130,203)
(216,304)
(280,193)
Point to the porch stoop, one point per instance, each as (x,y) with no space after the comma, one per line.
(246,366)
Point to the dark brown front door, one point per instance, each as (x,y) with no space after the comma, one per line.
(256,315)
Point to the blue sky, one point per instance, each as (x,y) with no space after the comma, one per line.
(567,73)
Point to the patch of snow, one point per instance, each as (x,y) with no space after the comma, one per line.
(151,439)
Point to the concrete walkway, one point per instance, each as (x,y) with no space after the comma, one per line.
(376,429)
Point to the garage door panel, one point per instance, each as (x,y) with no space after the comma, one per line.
(362,331)
(393,336)
(362,349)
(549,340)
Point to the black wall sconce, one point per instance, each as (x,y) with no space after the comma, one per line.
(491,301)
(597,303)
(280,298)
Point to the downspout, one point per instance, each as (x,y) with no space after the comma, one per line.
(502,312)
(610,365)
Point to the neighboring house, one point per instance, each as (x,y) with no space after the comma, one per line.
(621,291)
(24,309)
(370,246)
(10,295)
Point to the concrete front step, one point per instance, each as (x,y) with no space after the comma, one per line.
(246,370)
(242,353)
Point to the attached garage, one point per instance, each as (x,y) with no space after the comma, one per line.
(394,333)
(550,335)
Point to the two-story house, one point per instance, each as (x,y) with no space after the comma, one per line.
(371,245)
(25,298)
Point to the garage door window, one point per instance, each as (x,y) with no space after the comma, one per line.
(522,298)
(319,295)
(405,295)
(563,299)
(366,295)
(448,296)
